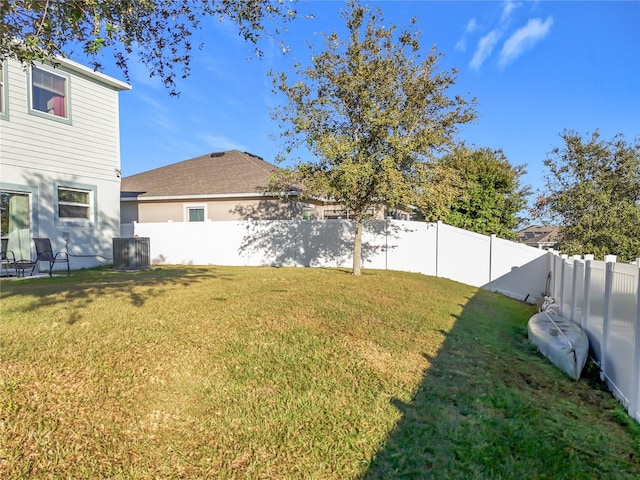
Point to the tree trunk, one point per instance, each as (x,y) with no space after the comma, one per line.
(357,248)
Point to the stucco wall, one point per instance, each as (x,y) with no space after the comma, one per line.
(223,209)
(216,210)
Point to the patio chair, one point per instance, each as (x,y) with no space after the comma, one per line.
(7,257)
(44,253)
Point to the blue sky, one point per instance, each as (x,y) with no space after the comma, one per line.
(535,68)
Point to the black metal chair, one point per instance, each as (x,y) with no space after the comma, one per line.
(44,253)
(7,257)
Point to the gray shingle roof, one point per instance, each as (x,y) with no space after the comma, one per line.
(222,173)
(539,234)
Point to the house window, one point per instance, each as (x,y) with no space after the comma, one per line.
(15,223)
(74,204)
(49,93)
(3,90)
(195,214)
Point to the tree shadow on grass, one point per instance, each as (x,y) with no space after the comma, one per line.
(85,286)
(490,406)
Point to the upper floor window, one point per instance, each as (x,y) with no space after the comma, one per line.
(49,92)
(3,90)
(74,204)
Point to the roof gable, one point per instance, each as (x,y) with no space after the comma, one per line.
(220,173)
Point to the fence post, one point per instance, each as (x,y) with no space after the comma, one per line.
(557,286)
(634,405)
(557,272)
(551,265)
(577,271)
(438,225)
(560,298)
(608,308)
(387,221)
(552,272)
(491,245)
(586,297)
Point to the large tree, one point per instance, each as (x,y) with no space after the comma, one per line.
(492,194)
(373,111)
(593,193)
(158,32)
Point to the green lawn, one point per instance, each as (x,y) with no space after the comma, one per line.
(188,372)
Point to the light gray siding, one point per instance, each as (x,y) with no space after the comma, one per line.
(38,153)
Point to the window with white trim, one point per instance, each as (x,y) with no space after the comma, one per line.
(3,92)
(75,204)
(49,92)
(195,214)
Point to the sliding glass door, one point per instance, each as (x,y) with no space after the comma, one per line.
(15,223)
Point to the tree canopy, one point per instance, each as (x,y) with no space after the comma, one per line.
(372,110)
(593,193)
(159,32)
(492,195)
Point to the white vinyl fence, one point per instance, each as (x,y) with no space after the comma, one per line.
(603,297)
(433,249)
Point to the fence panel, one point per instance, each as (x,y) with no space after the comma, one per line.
(375,244)
(577,299)
(566,289)
(240,243)
(411,247)
(594,314)
(517,270)
(604,298)
(556,277)
(634,408)
(463,256)
(619,344)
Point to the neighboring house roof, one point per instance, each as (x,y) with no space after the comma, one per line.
(219,174)
(540,236)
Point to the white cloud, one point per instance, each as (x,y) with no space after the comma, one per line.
(524,39)
(507,10)
(219,143)
(472,26)
(484,49)
(157,114)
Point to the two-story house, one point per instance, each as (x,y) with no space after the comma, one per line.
(59,159)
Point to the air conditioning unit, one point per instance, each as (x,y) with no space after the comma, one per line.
(131,253)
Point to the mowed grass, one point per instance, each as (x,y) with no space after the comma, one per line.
(185,372)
